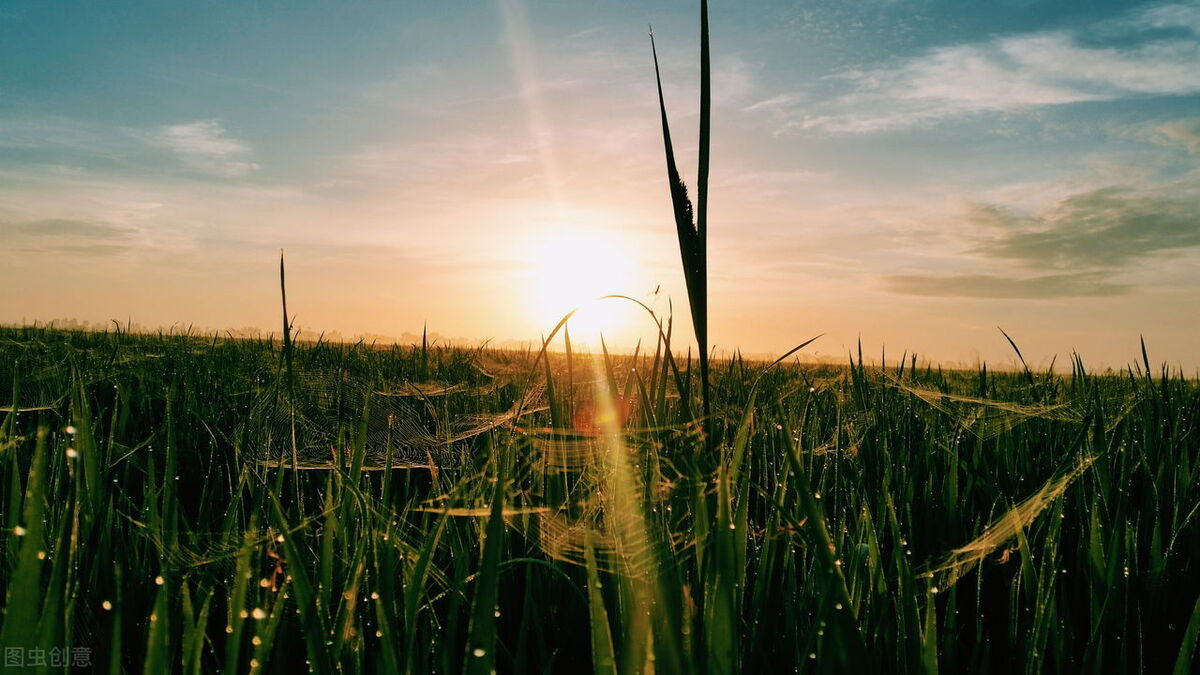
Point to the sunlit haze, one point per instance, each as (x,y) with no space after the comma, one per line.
(911,173)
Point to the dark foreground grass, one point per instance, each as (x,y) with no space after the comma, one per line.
(170,505)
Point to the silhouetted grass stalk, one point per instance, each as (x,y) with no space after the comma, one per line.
(692,234)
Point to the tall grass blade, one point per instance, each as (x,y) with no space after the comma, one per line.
(23,607)
(481,641)
(692,248)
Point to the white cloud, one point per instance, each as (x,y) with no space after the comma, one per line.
(772,103)
(205,145)
(1016,73)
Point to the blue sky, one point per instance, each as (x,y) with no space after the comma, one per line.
(912,172)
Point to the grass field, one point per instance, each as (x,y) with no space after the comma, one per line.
(205,504)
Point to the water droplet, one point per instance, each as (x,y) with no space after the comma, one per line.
(72,453)
(479,652)
(70,429)
(258,613)
(106,605)
(159,580)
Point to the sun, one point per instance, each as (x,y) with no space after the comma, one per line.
(571,268)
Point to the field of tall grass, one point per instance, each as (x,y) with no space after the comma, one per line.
(208,504)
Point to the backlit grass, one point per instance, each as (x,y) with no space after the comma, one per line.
(555,515)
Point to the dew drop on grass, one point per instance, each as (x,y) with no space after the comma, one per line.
(19,531)
(106,605)
(72,453)
(159,581)
(70,429)
(259,613)
(479,652)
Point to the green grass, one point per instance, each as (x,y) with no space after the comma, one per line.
(554,514)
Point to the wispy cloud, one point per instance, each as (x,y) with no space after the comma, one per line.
(1185,133)
(205,145)
(1082,245)
(1100,229)
(64,235)
(1146,53)
(772,103)
(1088,284)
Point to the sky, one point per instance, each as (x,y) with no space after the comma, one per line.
(909,173)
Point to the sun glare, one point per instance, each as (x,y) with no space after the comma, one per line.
(572,268)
